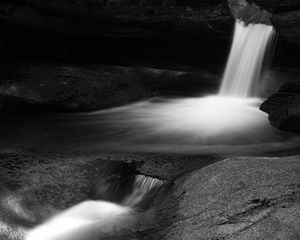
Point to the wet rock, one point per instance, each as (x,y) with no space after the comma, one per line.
(249,12)
(37,185)
(273,79)
(283,107)
(239,198)
(288,25)
(65,88)
(59,87)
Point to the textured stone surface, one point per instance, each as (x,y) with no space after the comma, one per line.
(61,87)
(35,185)
(249,12)
(239,198)
(283,107)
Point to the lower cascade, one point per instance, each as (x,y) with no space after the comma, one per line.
(90,220)
(83,221)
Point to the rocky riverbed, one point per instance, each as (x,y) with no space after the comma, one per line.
(62,58)
(236,198)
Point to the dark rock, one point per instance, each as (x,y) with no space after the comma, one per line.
(120,17)
(288,25)
(58,87)
(278,6)
(239,198)
(249,12)
(66,88)
(283,106)
(273,79)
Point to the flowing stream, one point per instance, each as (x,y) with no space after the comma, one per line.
(228,122)
(91,219)
(244,66)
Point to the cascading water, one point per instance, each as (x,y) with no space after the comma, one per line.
(178,125)
(86,220)
(244,65)
(223,123)
(89,220)
(143,187)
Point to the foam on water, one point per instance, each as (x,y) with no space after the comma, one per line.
(86,220)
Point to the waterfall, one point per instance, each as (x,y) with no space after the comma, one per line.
(143,188)
(91,219)
(244,65)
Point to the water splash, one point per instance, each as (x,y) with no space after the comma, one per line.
(86,220)
(92,219)
(143,188)
(244,65)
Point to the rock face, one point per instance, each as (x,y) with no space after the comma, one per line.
(288,25)
(249,12)
(119,17)
(148,18)
(61,87)
(284,15)
(239,198)
(283,107)
(65,88)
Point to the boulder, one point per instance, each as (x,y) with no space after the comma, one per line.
(35,86)
(240,198)
(283,107)
(65,88)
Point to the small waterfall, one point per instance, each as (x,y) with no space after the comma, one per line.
(143,188)
(89,220)
(244,65)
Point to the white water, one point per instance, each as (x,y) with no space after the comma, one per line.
(232,117)
(90,220)
(143,186)
(218,123)
(244,65)
(86,220)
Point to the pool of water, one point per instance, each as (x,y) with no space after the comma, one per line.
(209,124)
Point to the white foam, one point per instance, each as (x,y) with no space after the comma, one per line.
(85,221)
